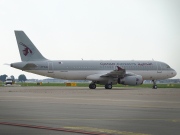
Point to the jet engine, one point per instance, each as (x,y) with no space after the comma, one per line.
(131,80)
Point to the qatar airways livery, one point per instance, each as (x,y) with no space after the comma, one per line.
(106,72)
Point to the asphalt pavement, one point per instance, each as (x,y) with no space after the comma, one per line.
(120,111)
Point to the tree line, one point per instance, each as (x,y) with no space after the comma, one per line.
(21,78)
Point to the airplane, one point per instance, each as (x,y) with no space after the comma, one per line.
(104,72)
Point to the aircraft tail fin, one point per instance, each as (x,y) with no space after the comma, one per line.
(27,49)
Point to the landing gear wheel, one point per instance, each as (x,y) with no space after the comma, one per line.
(154,86)
(108,86)
(92,86)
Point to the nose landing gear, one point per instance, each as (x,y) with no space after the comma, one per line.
(154,84)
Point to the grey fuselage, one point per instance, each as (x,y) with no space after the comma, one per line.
(79,70)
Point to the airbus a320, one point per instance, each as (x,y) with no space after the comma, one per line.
(106,72)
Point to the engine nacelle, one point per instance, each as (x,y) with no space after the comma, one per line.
(131,80)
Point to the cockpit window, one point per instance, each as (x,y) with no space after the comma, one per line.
(167,66)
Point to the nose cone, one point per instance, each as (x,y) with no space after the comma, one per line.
(174,73)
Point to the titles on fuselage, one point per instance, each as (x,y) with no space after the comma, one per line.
(125,64)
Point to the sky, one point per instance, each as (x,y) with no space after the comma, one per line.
(91,30)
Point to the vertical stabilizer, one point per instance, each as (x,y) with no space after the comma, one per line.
(27,49)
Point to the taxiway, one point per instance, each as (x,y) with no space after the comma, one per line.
(120,111)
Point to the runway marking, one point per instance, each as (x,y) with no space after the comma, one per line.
(111,100)
(41,99)
(81,130)
(108,131)
(54,129)
(176,120)
(77,119)
(171,104)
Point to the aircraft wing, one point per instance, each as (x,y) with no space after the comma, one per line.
(117,73)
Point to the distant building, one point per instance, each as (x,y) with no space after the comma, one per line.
(166,81)
(52,80)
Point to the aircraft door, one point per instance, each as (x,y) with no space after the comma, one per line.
(50,67)
(159,69)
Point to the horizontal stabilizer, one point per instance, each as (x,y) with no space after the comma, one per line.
(29,66)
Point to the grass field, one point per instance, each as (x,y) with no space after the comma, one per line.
(87,85)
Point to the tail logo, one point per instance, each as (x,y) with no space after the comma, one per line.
(26,50)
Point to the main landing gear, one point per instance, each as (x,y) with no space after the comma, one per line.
(154,84)
(108,86)
(92,86)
